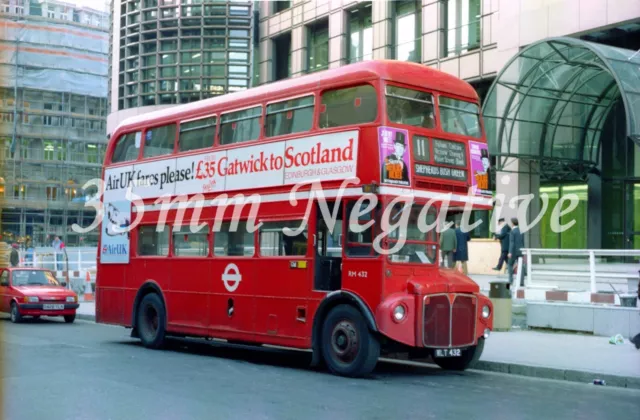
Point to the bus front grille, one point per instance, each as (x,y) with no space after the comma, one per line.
(449,325)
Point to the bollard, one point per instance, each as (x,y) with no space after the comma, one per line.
(500,296)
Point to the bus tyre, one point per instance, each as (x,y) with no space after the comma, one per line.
(348,347)
(468,358)
(15,313)
(151,321)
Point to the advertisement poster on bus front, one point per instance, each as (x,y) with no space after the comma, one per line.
(394,156)
(480,167)
(116,218)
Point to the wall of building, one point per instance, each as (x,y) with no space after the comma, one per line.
(169,52)
(53,108)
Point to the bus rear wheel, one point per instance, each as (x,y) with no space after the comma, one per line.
(348,347)
(151,321)
(468,358)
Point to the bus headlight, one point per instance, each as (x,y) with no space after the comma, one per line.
(486,311)
(399,313)
(487,331)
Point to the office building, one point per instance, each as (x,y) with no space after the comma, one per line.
(53,109)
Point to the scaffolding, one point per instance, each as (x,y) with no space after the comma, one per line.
(52,119)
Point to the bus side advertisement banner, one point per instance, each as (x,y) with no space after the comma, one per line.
(116,218)
(323,157)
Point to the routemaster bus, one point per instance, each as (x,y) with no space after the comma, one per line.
(332,159)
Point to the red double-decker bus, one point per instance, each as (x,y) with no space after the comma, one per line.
(315,200)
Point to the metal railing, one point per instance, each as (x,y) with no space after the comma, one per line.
(623,271)
(69,259)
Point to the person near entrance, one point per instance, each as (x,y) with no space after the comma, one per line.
(448,245)
(461,254)
(14,258)
(516,243)
(503,237)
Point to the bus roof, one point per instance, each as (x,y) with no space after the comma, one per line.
(391,70)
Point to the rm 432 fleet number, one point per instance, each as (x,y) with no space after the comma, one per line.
(362,274)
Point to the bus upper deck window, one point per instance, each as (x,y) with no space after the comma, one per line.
(159,141)
(349,106)
(126,148)
(288,117)
(410,107)
(240,126)
(460,117)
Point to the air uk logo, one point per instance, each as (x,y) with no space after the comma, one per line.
(231,277)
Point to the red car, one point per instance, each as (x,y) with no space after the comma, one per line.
(35,292)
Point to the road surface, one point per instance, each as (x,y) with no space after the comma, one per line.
(51,370)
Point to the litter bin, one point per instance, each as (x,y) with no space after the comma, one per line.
(628,301)
(500,296)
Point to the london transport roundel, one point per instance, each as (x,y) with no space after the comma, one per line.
(231,277)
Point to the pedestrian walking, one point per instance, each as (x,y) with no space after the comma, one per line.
(516,243)
(461,255)
(57,245)
(503,237)
(14,258)
(448,245)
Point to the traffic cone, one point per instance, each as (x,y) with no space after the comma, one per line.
(88,292)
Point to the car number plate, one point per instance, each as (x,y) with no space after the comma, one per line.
(448,353)
(52,307)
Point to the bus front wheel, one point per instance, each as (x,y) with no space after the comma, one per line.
(151,321)
(468,358)
(348,347)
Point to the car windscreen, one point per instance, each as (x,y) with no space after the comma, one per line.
(33,278)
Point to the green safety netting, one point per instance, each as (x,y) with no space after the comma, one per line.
(550,102)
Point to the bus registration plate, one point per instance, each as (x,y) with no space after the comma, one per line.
(448,353)
(48,307)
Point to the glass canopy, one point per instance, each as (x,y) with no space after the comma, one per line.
(550,102)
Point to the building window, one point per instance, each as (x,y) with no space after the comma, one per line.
(240,126)
(279,6)
(275,243)
(282,60)
(288,117)
(408,31)
(318,54)
(463,26)
(360,35)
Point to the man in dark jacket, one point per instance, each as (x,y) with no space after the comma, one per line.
(503,237)
(448,245)
(516,243)
(461,254)
(14,258)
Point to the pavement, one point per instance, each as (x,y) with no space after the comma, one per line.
(90,371)
(551,355)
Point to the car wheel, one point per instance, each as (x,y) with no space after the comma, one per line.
(15,313)
(69,318)
(151,321)
(348,347)
(468,358)
(36,317)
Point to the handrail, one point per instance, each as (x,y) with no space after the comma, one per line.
(590,253)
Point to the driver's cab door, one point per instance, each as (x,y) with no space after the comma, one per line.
(328,249)
(5,291)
